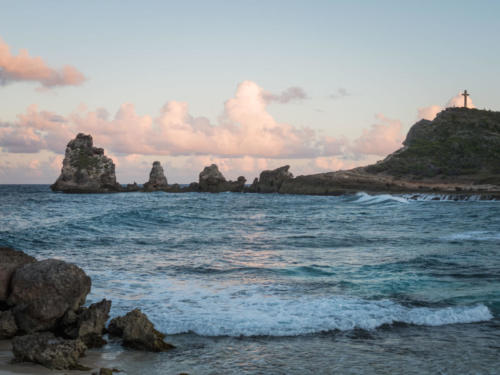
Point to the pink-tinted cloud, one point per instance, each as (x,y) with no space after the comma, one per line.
(24,67)
(429,113)
(381,139)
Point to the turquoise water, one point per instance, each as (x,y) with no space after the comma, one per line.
(246,283)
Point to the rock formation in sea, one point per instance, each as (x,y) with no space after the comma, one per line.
(213,181)
(86,169)
(157,179)
(270,181)
(459,151)
(43,313)
(138,332)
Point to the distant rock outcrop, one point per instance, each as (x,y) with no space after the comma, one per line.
(42,292)
(270,181)
(86,169)
(213,181)
(157,179)
(459,151)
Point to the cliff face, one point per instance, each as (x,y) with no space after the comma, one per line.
(458,142)
(86,169)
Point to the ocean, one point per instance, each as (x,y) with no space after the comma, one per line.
(281,284)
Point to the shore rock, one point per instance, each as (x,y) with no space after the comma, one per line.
(270,181)
(44,291)
(86,169)
(8,326)
(138,332)
(10,260)
(87,324)
(157,179)
(48,350)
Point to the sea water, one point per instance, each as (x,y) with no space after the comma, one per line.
(281,284)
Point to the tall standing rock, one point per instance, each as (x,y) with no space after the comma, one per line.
(157,179)
(86,169)
(44,291)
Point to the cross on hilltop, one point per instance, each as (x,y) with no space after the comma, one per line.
(465,95)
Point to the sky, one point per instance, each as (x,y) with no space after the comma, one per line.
(248,85)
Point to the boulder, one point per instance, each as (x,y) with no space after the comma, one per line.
(10,260)
(8,327)
(157,179)
(48,350)
(87,324)
(86,169)
(43,292)
(213,181)
(270,181)
(138,332)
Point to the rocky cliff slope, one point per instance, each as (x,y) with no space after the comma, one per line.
(86,169)
(459,151)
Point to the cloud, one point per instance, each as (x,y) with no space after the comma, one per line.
(24,67)
(245,139)
(341,93)
(430,112)
(290,94)
(381,139)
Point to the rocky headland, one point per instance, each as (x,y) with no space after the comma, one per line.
(42,311)
(457,153)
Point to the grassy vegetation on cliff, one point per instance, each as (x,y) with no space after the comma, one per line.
(459,141)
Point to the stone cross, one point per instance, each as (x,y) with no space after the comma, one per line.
(465,95)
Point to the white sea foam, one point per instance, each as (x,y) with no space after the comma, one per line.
(247,311)
(442,197)
(382,198)
(473,236)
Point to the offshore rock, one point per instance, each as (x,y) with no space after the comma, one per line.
(157,179)
(213,181)
(8,326)
(44,291)
(10,260)
(138,332)
(48,350)
(270,181)
(87,324)
(86,169)
(132,187)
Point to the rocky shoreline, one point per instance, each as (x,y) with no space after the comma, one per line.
(457,154)
(42,313)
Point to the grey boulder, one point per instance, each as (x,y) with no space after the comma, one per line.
(48,350)
(44,291)
(10,260)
